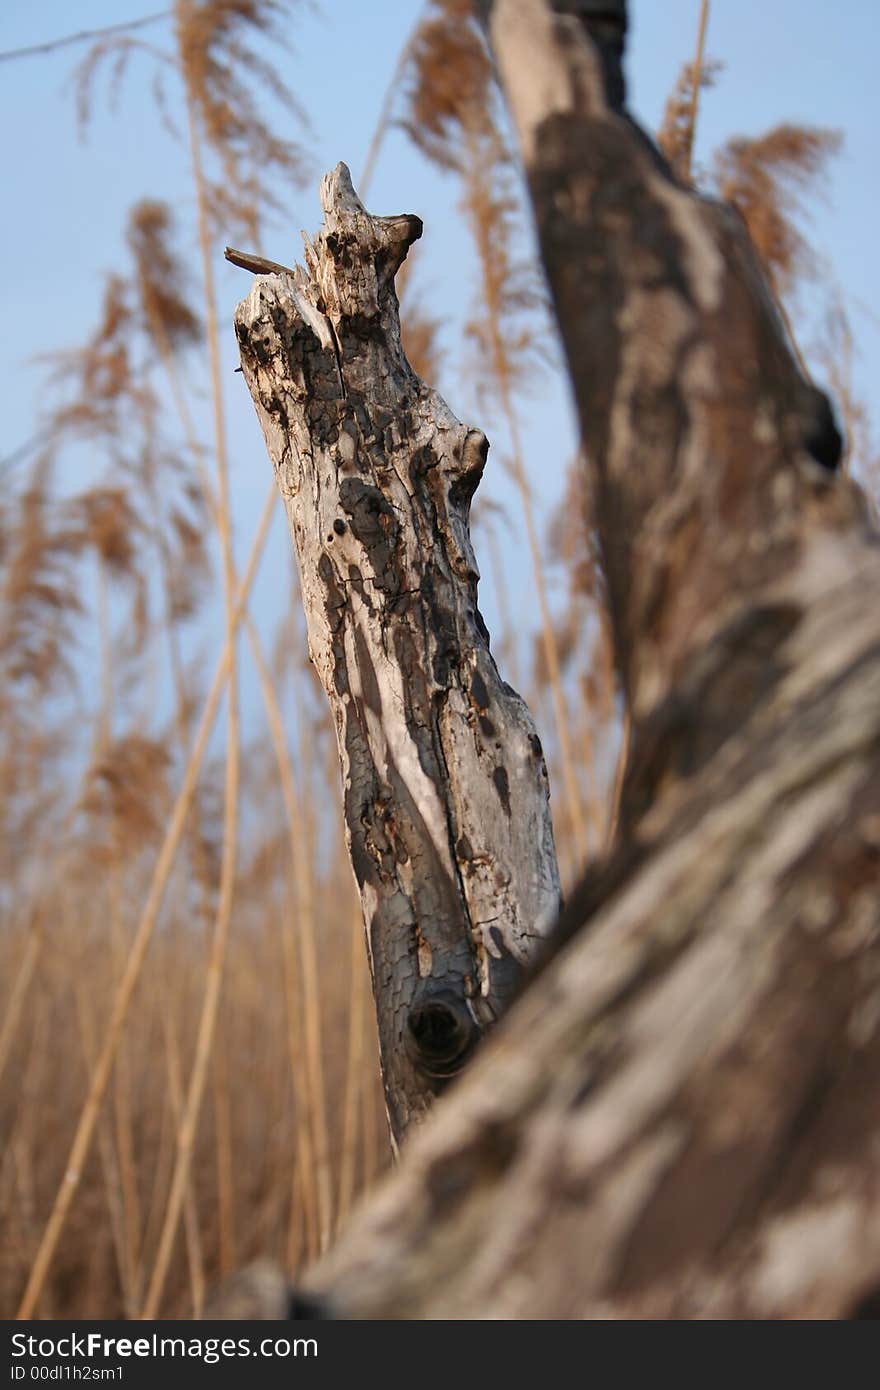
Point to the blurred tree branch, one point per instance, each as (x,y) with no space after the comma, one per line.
(84,36)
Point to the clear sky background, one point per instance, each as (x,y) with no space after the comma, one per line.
(65,202)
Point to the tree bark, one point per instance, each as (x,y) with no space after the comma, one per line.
(681,1116)
(446,796)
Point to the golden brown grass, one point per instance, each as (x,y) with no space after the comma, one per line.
(53,1057)
(151,865)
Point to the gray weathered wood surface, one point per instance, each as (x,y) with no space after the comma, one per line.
(445,786)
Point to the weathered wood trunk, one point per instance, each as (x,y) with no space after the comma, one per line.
(701,433)
(446,798)
(681,1116)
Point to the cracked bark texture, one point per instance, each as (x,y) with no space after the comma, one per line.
(445,786)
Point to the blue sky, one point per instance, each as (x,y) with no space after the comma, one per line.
(65,202)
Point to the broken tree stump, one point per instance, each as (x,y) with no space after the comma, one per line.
(445,786)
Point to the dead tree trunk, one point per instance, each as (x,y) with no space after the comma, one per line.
(682,1115)
(446,799)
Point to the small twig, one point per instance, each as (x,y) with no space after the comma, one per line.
(83,36)
(696,83)
(257,265)
(789,331)
(620,772)
(384,121)
(20,454)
